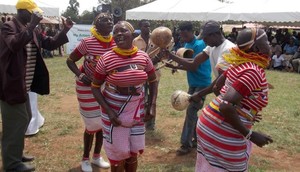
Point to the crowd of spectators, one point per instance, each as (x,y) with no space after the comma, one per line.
(285,47)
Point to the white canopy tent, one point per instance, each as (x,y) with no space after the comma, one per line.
(270,12)
(11,9)
(191,10)
(259,11)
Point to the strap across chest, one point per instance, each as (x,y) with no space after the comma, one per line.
(127,67)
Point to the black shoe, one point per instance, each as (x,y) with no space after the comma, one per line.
(194,144)
(27,158)
(22,168)
(183,150)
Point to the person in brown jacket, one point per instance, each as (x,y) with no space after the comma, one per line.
(22,69)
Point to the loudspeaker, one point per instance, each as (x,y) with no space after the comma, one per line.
(106,8)
(117,12)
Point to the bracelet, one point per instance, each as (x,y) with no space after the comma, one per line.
(81,76)
(228,103)
(95,85)
(248,136)
(153,80)
(69,59)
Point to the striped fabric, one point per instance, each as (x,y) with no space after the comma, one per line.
(202,165)
(250,81)
(88,107)
(31,49)
(111,61)
(224,147)
(92,49)
(129,138)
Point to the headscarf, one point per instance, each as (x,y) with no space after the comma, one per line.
(133,49)
(101,15)
(250,37)
(94,31)
(127,25)
(252,47)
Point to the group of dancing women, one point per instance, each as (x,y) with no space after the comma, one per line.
(110,91)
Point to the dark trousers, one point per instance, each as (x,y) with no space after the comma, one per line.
(191,118)
(15,120)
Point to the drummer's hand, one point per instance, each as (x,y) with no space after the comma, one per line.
(174,71)
(195,98)
(170,65)
(260,139)
(165,53)
(114,119)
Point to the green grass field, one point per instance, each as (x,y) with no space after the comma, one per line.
(58,145)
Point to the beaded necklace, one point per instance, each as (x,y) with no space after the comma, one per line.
(237,57)
(125,52)
(99,36)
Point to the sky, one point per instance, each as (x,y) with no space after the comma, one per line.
(61,4)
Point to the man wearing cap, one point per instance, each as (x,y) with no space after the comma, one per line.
(22,69)
(217,45)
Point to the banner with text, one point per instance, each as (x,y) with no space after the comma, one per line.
(75,35)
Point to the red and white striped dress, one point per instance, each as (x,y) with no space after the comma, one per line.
(219,144)
(128,139)
(92,49)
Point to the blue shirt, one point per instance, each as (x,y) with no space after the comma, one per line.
(202,76)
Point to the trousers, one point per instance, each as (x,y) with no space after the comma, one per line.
(191,117)
(15,120)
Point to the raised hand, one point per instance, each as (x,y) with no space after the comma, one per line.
(68,24)
(36,17)
(165,53)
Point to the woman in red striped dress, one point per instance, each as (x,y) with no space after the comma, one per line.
(92,48)
(123,71)
(224,134)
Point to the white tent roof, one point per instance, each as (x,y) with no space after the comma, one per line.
(11,9)
(262,11)
(259,11)
(192,10)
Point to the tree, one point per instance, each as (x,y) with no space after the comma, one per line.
(72,11)
(74,5)
(87,17)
